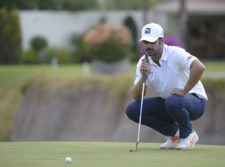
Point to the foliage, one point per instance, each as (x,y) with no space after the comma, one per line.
(38,43)
(108,42)
(173,41)
(29,57)
(50,4)
(62,55)
(130,4)
(80,5)
(10,37)
(79,54)
(124,4)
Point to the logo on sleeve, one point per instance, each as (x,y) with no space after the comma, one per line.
(189,56)
(147,30)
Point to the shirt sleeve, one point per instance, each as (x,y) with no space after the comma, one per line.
(184,59)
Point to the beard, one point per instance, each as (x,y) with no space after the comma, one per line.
(155,53)
(151,52)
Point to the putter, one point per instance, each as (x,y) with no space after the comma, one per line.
(140,116)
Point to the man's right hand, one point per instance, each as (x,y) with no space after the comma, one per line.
(145,68)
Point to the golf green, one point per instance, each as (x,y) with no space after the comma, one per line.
(106,154)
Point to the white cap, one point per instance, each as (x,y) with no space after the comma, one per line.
(151,32)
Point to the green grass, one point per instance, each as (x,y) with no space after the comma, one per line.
(218,66)
(90,154)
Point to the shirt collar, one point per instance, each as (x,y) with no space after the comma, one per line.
(164,56)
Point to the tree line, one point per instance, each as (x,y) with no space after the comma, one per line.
(76,5)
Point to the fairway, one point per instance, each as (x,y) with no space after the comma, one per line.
(100,154)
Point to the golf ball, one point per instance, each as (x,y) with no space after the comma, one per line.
(68,160)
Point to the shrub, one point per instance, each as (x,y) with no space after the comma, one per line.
(108,43)
(10,37)
(63,55)
(78,53)
(29,57)
(38,43)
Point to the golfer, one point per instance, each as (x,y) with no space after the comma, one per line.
(173,75)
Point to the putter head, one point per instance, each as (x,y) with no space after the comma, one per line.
(135,149)
(137,146)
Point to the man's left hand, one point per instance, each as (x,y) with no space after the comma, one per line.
(177,91)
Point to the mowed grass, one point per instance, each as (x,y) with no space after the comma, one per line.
(100,154)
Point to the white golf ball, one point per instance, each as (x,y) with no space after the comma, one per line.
(68,160)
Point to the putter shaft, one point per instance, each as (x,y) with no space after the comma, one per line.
(140,116)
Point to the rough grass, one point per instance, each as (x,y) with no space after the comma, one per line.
(87,154)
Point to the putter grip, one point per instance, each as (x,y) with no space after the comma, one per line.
(146,75)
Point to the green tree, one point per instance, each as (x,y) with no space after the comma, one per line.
(128,4)
(79,5)
(20,4)
(50,4)
(10,37)
(38,43)
(122,4)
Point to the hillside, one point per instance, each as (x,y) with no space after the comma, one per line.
(92,109)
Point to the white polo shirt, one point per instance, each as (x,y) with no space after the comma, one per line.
(173,72)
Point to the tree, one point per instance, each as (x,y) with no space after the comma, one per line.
(129,4)
(10,37)
(122,4)
(50,4)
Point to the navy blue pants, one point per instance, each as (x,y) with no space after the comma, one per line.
(168,115)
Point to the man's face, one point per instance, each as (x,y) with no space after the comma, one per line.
(153,48)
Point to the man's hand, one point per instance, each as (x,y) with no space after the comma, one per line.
(145,67)
(177,91)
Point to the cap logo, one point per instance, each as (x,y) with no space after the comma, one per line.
(147,30)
